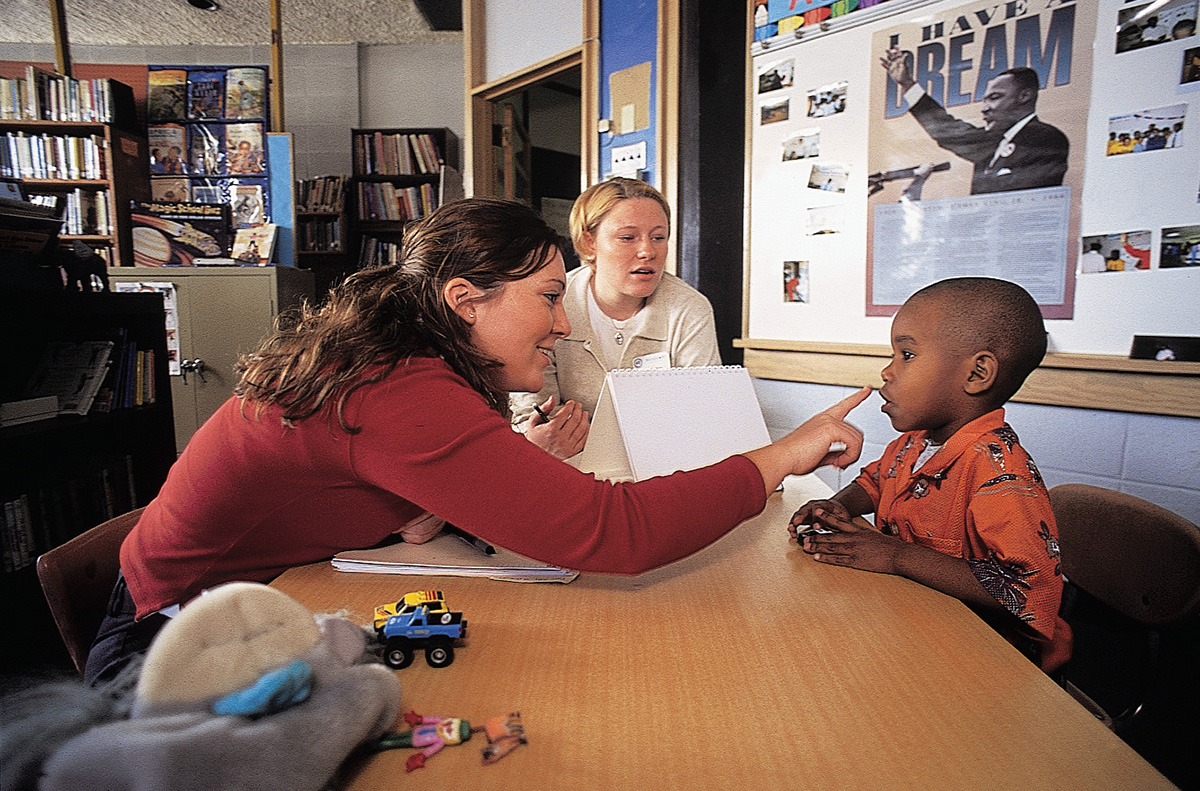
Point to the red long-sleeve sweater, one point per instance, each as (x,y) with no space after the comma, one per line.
(249,497)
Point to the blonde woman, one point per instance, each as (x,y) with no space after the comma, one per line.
(625,311)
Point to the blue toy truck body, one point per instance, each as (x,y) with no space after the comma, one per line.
(426,625)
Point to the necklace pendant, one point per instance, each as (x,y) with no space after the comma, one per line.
(619,338)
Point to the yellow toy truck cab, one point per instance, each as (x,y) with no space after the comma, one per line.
(435,600)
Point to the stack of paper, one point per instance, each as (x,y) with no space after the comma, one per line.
(449,555)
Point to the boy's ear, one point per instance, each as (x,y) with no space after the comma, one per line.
(460,294)
(982,374)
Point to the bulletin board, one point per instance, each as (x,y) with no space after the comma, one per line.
(825,169)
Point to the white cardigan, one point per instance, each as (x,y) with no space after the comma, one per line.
(678,321)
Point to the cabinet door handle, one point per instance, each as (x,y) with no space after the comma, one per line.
(196,365)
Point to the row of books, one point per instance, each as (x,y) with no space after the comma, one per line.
(87,213)
(320,234)
(32,156)
(323,193)
(396,154)
(44,96)
(37,520)
(377,252)
(383,200)
(131,381)
(95,375)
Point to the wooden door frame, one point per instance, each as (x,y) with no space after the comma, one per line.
(478,167)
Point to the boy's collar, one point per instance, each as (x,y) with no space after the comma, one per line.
(958,442)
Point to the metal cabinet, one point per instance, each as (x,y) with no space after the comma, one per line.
(224,312)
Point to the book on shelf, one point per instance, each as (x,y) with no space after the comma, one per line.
(28,155)
(44,96)
(168,144)
(321,194)
(449,554)
(174,233)
(71,371)
(244,150)
(320,234)
(245,92)
(48,514)
(166,98)
(396,153)
(255,245)
(206,94)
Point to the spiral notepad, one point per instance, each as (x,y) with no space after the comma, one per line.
(654,422)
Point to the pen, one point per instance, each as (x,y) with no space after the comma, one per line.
(538,409)
(478,543)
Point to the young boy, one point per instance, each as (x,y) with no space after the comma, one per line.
(959,505)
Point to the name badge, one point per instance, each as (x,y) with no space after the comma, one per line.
(658,360)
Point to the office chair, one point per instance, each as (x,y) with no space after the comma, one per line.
(77,578)
(1132,572)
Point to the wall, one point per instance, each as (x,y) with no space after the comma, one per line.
(1155,458)
(520,34)
(411,85)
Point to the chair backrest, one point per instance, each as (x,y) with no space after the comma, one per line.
(77,579)
(1138,558)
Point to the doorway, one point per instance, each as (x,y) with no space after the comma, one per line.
(535,152)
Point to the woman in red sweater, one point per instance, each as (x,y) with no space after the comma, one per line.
(390,401)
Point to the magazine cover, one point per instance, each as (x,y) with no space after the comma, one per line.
(207,149)
(166,98)
(247,203)
(244,149)
(167,143)
(171,190)
(245,92)
(174,233)
(211,191)
(206,94)
(255,245)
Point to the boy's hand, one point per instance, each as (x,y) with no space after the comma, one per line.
(851,545)
(806,514)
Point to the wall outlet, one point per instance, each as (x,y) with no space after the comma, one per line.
(628,160)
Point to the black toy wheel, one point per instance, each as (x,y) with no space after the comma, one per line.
(398,653)
(439,652)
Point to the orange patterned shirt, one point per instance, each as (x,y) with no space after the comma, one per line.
(981,498)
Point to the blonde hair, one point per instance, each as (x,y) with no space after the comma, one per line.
(594,205)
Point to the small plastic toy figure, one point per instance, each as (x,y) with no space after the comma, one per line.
(504,734)
(431,733)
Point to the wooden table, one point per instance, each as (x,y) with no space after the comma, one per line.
(746,666)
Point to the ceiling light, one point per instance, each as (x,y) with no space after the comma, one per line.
(204,5)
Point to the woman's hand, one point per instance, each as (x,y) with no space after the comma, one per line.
(825,438)
(564,434)
(421,529)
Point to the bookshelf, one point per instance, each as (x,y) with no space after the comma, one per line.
(95,169)
(400,175)
(62,475)
(322,232)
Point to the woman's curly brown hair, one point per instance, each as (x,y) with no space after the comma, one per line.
(377,318)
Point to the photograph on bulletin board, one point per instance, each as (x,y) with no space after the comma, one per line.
(977,128)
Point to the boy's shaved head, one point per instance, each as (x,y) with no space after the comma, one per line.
(988,314)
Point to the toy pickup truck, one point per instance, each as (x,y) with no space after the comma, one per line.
(419,620)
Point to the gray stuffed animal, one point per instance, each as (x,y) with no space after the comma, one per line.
(296,703)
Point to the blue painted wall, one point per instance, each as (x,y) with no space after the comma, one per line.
(628,36)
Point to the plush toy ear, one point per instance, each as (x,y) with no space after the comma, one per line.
(224,641)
